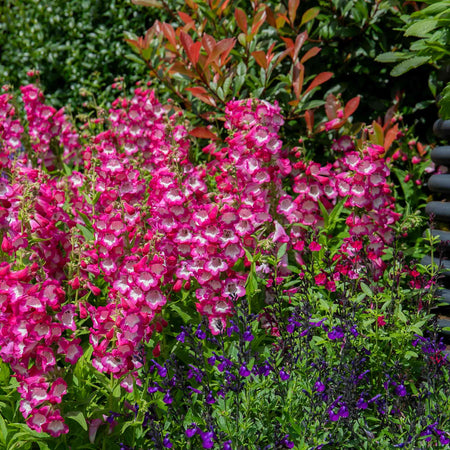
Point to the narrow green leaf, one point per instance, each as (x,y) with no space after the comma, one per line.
(87,234)
(391,57)
(324,212)
(281,251)
(409,64)
(422,27)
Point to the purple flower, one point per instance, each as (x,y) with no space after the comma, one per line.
(166,441)
(210,399)
(243,371)
(200,333)
(212,360)
(181,337)
(336,333)
(319,386)
(400,390)
(248,336)
(284,375)
(343,411)
(361,403)
(207,439)
(227,445)
(192,431)
(167,398)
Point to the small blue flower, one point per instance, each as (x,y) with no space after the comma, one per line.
(166,441)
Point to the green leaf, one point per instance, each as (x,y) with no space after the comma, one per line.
(324,212)
(309,15)
(5,374)
(409,64)
(87,234)
(422,27)
(366,289)
(444,103)
(281,251)
(78,417)
(187,318)
(3,430)
(391,57)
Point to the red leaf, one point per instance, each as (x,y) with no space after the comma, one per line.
(187,43)
(298,75)
(258,21)
(309,119)
(260,58)
(310,54)
(203,133)
(186,18)
(202,95)
(321,78)
(208,43)
(331,107)
(299,41)
(241,19)
(292,9)
(390,137)
(224,46)
(351,106)
(169,33)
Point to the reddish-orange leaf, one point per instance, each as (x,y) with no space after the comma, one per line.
(390,137)
(202,95)
(351,106)
(204,133)
(271,17)
(298,75)
(260,58)
(187,43)
(292,10)
(258,21)
(223,7)
(169,33)
(186,18)
(299,41)
(192,4)
(208,43)
(179,67)
(321,78)
(281,20)
(241,19)
(225,45)
(309,119)
(421,149)
(331,107)
(310,54)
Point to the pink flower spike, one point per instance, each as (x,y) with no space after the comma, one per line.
(279,235)
(315,247)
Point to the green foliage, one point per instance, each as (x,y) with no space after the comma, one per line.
(431,25)
(75,45)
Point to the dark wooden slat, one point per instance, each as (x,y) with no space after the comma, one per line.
(439,183)
(440,210)
(441,155)
(441,128)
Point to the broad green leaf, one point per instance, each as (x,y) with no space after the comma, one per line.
(187,318)
(391,57)
(409,64)
(366,289)
(281,251)
(87,234)
(422,27)
(324,212)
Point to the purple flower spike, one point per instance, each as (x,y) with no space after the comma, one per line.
(336,333)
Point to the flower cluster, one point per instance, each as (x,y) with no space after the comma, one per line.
(99,234)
